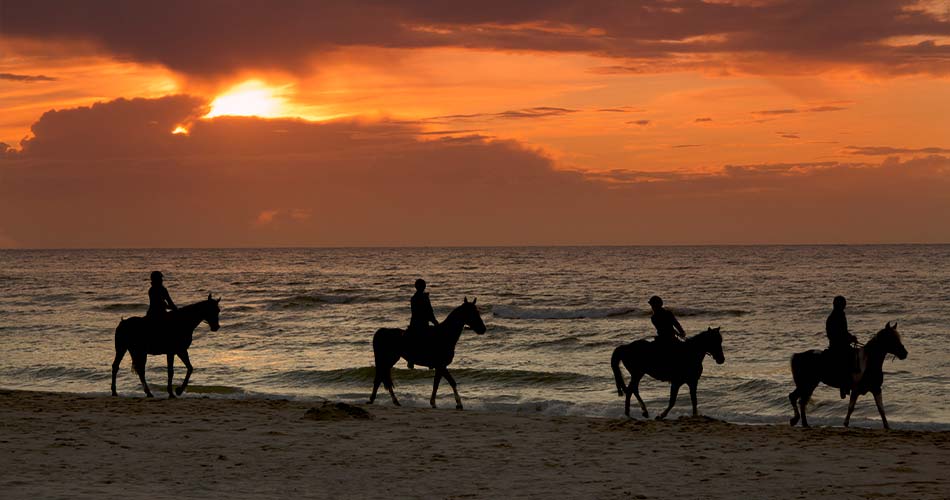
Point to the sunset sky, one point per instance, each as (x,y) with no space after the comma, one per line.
(225,123)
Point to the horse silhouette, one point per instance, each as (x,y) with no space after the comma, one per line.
(682,363)
(434,348)
(812,367)
(141,337)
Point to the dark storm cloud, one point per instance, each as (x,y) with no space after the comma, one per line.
(93,176)
(215,37)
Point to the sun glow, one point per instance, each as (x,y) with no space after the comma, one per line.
(180,130)
(251,98)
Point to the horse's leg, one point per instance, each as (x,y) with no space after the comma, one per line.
(448,377)
(377,379)
(692,396)
(119,354)
(635,388)
(793,398)
(388,382)
(435,385)
(171,373)
(183,356)
(626,399)
(880,406)
(138,363)
(802,402)
(674,391)
(854,399)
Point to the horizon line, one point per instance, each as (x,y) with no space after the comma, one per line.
(423,247)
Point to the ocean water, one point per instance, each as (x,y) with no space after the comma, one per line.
(299,322)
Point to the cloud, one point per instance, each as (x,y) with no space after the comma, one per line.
(887,150)
(112,174)
(26,78)
(785,135)
(768,112)
(536,112)
(642,123)
(704,119)
(790,111)
(221,37)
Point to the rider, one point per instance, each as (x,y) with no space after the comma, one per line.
(839,342)
(158,299)
(422,313)
(667,328)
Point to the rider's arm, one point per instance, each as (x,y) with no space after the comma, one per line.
(431,313)
(676,324)
(168,300)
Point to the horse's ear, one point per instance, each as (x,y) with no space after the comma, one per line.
(209,295)
(474,300)
(895,326)
(465,300)
(218,300)
(887,326)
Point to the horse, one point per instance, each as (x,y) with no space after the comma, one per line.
(809,368)
(140,337)
(682,364)
(435,348)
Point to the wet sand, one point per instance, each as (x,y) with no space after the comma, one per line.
(72,446)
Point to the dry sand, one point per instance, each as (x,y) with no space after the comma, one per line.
(71,446)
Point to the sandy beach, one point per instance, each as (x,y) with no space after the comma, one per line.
(71,446)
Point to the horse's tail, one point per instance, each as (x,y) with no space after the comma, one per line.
(615,365)
(385,349)
(124,333)
(799,365)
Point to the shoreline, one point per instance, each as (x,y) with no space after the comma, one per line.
(197,447)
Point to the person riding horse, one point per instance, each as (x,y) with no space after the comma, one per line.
(158,300)
(667,328)
(422,315)
(840,342)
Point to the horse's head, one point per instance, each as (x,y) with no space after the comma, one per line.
(211,311)
(471,317)
(890,340)
(712,343)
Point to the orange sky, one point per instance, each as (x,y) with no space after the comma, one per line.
(655,122)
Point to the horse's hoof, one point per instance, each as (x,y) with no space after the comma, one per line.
(646,415)
(459,407)
(149,395)
(179,391)
(171,395)
(396,403)
(660,417)
(432,404)
(792,421)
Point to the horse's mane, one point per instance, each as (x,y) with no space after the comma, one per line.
(879,336)
(455,312)
(705,333)
(192,307)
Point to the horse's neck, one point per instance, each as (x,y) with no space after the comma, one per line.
(191,317)
(452,326)
(696,346)
(873,353)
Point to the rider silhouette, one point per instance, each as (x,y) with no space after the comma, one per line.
(667,328)
(422,314)
(158,299)
(839,343)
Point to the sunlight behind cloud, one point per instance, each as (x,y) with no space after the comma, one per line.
(251,98)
